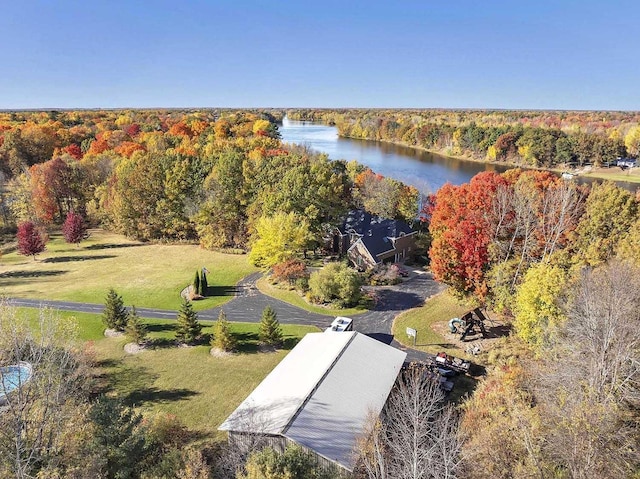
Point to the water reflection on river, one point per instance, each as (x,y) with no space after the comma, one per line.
(426,171)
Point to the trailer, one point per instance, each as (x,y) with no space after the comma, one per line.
(340,324)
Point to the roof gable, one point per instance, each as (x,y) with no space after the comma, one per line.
(364,224)
(322,393)
(271,405)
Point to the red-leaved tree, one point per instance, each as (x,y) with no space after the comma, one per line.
(30,240)
(74,228)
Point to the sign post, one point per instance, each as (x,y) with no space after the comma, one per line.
(412,333)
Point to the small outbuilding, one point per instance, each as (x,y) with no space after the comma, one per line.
(320,396)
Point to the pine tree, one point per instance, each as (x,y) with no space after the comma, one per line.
(196,283)
(222,337)
(114,315)
(136,329)
(188,328)
(204,285)
(270,330)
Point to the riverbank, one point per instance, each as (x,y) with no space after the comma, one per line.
(630,175)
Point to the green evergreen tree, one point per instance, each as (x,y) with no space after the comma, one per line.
(136,330)
(188,328)
(196,283)
(222,337)
(114,315)
(270,330)
(204,285)
(117,438)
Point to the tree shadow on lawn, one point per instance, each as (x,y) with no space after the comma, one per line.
(249,343)
(30,274)
(69,259)
(94,247)
(155,395)
(159,328)
(221,291)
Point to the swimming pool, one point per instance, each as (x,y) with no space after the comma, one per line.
(13,377)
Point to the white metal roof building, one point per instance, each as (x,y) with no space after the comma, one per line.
(321,394)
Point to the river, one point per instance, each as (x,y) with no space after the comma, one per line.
(426,171)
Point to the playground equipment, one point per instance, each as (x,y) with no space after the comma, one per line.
(467,324)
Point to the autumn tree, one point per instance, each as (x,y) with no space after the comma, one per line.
(609,213)
(188,328)
(417,434)
(538,304)
(459,226)
(278,238)
(74,228)
(592,393)
(30,240)
(40,419)
(290,271)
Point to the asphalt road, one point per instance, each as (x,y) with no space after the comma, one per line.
(248,303)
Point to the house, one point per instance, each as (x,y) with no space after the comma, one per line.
(369,240)
(320,396)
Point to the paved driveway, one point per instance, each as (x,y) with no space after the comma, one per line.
(248,303)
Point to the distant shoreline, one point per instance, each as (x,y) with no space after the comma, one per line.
(613,173)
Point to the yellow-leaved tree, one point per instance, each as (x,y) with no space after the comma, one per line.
(538,312)
(278,238)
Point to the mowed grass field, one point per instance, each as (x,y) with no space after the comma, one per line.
(441,307)
(199,389)
(147,275)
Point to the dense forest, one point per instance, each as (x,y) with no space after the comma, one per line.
(546,139)
(205,176)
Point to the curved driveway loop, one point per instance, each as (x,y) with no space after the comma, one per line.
(248,303)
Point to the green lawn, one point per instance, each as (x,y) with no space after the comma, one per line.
(442,307)
(199,389)
(632,176)
(294,298)
(149,275)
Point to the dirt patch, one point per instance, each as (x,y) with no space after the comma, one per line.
(474,344)
(219,353)
(112,333)
(134,348)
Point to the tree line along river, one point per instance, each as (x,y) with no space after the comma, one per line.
(422,169)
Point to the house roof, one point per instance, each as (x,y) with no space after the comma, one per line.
(322,393)
(365,224)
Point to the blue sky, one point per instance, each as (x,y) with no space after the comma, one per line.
(424,54)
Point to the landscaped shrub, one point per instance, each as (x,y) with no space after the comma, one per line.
(222,337)
(114,315)
(290,272)
(270,330)
(136,330)
(196,283)
(385,274)
(335,283)
(188,328)
(204,285)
